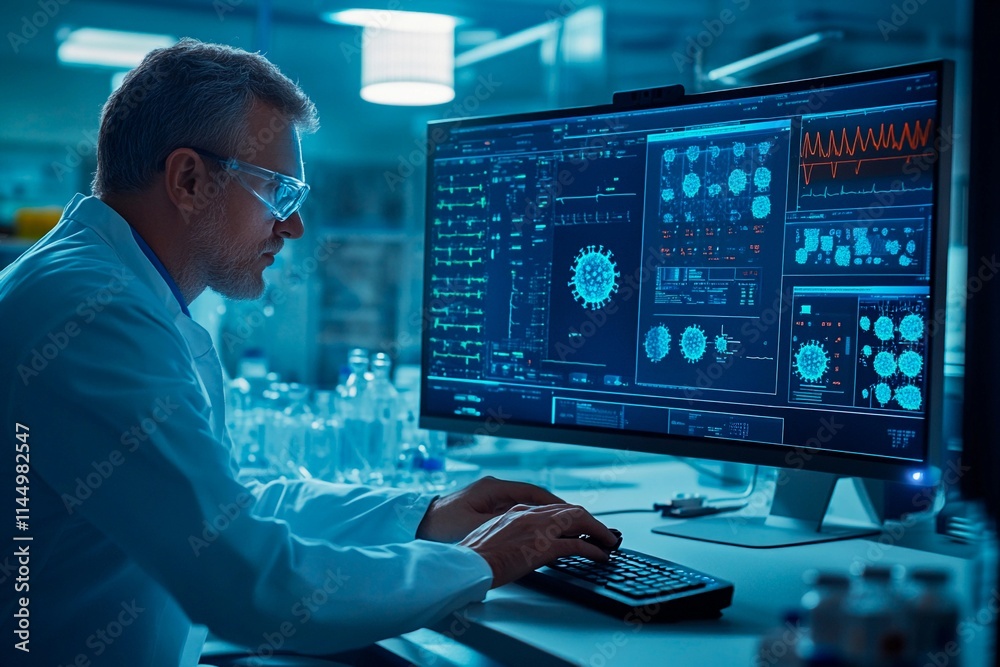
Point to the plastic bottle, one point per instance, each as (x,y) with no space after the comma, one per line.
(323,442)
(356,414)
(384,436)
(823,614)
(933,613)
(876,635)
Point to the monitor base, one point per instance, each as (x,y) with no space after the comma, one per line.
(753,533)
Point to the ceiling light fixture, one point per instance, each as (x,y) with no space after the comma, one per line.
(407,58)
(108,48)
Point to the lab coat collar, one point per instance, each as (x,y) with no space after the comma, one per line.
(117,233)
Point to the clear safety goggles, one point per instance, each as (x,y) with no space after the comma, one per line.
(282,195)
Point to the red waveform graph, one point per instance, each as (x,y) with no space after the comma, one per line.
(864,146)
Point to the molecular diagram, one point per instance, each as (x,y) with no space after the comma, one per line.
(721,344)
(882,393)
(811,361)
(657,343)
(693,342)
(595,277)
(737,181)
(762,177)
(691,184)
(866,323)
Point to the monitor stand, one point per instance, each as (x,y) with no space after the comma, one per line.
(801,500)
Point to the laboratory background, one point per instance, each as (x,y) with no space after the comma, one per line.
(323,371)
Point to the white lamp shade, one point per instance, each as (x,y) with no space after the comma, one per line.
(408,67)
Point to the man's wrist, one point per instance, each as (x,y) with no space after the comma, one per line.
(424,530)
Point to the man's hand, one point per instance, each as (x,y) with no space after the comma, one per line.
(525,538)
(452,517)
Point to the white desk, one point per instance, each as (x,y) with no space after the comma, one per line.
(519,626)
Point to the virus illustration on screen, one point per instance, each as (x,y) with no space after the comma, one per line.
(657,343)
(911,328)
(884,328)
(811,361)
(885,364)
(908,397)
(595,277)
(693,342)
(910,363)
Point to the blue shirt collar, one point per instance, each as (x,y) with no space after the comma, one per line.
(158,265)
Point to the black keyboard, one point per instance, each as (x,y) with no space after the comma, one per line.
(635,583)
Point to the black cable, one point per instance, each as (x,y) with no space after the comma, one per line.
(622,512)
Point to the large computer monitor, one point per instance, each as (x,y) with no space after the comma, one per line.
(752,275)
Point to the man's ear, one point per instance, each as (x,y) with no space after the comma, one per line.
(189,182)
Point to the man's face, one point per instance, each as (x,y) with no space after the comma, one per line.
(239,236)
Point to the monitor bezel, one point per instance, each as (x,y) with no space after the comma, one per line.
(748,452)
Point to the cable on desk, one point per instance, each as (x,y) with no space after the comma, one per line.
(623,511)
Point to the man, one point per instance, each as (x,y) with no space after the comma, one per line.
(140,533)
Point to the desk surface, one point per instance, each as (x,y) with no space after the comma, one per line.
(517,625)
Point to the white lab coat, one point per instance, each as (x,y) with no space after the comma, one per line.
(140,531)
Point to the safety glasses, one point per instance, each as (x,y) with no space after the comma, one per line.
(281,194)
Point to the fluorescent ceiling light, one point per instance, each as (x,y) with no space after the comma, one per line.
(109,48)
(394,20)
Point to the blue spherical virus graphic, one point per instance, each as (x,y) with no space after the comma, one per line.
(801,256)
(595,277)
(693,342)
(715,152)
(867,350)
(910,363)
(691,184)
(864,393)
(892,247)
(865,323)
(657,343)
(715,189)
(884,328)
(911,246)
(669,155)
(668,217)
(885,231)
(882,393)
(877,260)
(667,194)
(721,344)
(737,181)
(909,397)
(693,152)
(905,260)
(911,328)
(762,177)
(843,255)
(826,243)
(760,207)
(739,148)
(763,148)
(884,364)
(811,361)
